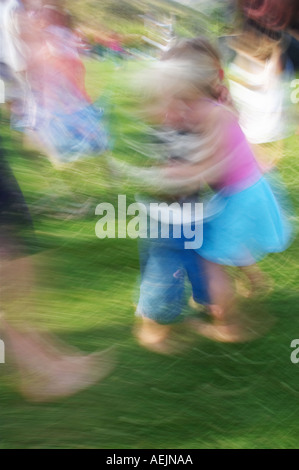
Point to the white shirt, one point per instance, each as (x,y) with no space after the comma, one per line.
(12,50)
(262,105)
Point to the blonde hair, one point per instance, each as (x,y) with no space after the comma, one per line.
(190,68)
(256,44)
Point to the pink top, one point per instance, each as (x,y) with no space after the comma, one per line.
(242,169)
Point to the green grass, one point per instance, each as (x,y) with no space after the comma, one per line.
(211,396)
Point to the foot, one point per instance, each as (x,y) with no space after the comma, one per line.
(242,288)
(64,377)
(200,308)
(221,331)
(154,336)
(49,371)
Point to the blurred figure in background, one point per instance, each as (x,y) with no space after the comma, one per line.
(274,17)
(271,14)
(260,77)
(13,62)
(11,48)
(62,118)
(48,369)
(116,49)
(56,114)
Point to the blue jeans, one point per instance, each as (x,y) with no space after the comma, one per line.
(165,264)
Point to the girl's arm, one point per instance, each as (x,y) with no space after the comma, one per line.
(211,160)
(207,164)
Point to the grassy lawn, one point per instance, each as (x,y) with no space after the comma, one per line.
(211,396)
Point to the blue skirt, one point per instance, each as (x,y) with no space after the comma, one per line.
(250,224)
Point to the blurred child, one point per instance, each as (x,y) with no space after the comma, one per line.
(185,93)
(61,117)
(12,55)
(166,261)
(260,77)
(48,369)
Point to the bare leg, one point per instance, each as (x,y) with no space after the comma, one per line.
(226,325)
(223,303)
(260,283)
(153,335)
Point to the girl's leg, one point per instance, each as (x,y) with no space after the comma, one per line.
(259,282)
(161,297)
(226,324)
(153,335)
(222,294)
